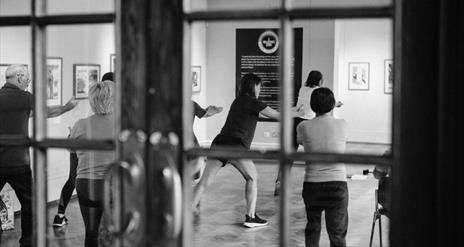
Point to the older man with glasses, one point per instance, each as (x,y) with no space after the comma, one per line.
(16,105)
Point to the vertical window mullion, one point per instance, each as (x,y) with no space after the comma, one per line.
(39,127)
(187,130)
(286,87)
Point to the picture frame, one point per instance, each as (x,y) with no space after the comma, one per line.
(83,77)
(196,78)
(388,76)
(54,81)
(113,62)
(3,68)
(358,76)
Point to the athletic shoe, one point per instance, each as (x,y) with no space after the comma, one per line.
(254,222)
(277,188)
(60,221)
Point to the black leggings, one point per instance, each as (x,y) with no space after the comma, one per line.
(90,195)
(68,187)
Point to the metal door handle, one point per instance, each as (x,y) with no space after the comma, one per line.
(173,215)
(133,172)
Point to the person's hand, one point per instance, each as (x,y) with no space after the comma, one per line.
(299,112)
(338,104)
(71,103)
(297,108)
(69,129)
(212,109)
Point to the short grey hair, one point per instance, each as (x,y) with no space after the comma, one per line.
(101,97)
(15,69)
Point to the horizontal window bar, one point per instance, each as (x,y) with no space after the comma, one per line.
(78,144)
(57,19)
(15,20)
(297,156)
(76,19)
(306,13)
(342,13)
(15,140)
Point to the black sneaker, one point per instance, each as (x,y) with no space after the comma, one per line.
(254,222)
(60,221)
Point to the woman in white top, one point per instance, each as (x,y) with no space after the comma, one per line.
(314,81)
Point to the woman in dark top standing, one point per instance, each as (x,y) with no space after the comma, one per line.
(238,132)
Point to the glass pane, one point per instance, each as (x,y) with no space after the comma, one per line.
(221,214)
(363,78)
(233,50)
(77,57)
(59,7)
(15,7)
(332,47)
(338,3)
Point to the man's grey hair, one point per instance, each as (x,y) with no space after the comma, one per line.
(14,69)
(101,97)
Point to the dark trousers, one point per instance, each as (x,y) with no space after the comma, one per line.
(70,184)
(331,197)
(90,196)
(20,179)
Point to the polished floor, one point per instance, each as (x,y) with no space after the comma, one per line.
(223,211)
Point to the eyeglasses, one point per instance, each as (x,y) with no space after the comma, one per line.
(20,75)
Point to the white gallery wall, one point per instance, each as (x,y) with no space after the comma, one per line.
(368,113)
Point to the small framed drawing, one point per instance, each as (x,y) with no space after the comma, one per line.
(196,78)
(112,62)
(54,80)
(358,76)
(3,68)
(388,76)
(84,75)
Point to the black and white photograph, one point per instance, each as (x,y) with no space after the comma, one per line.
(231,123)
(54,80)
(196,78)
(113,62)
(84,76)
(358,76)
(388,76)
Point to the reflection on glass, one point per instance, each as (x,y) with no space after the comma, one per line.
(80,6)
(16,7)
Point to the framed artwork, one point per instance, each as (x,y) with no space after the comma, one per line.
(388,76)
(112,62)
(54,81)
(3,68)
(84,75)
(196,78)
(358,76)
